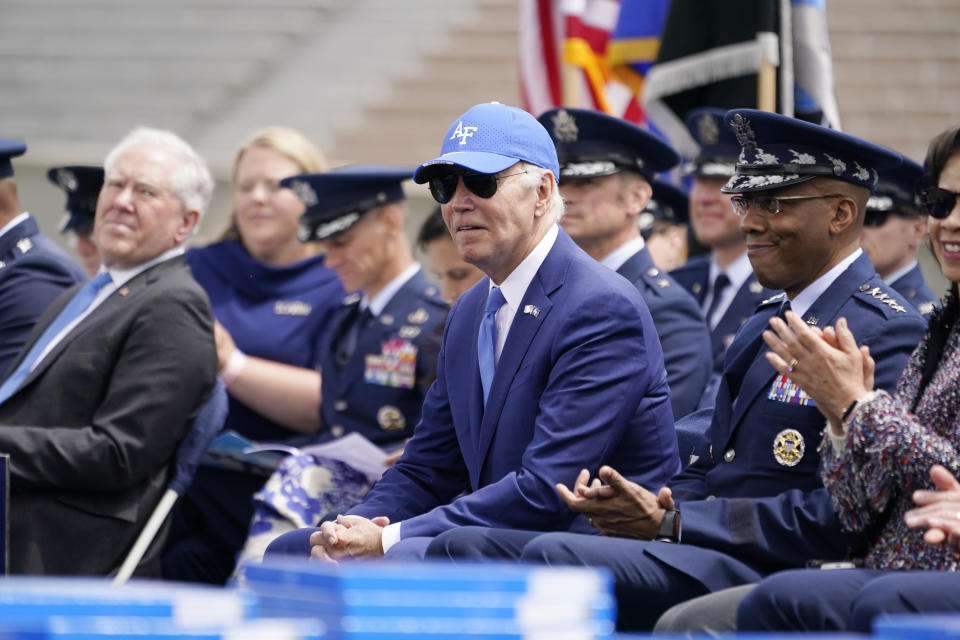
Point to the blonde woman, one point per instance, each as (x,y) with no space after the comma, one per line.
(272,298)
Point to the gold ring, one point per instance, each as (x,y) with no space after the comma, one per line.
(792,364)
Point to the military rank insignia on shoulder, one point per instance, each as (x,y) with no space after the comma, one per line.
(879,294)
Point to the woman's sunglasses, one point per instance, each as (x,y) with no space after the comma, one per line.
(938,202)
(483,185)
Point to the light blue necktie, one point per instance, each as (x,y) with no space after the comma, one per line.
(77,305)
(487,341)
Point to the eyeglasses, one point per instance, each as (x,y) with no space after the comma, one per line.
(938,202)
(770,205)
(483,185)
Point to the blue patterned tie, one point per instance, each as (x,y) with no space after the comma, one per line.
(77,305)
(487,341)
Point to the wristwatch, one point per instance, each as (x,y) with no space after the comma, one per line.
(669,527)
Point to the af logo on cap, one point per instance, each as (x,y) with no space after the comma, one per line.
(463,132)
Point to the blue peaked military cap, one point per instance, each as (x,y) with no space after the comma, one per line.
(669,203)
(82,185)
(718,146)
(591,144)
(9,148)
(898,191)
(488,138)
(337,200)
(778,151)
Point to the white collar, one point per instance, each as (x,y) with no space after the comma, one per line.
(10,225)
(738,271)
(615,259)
(514,286)
(122,276)
(379,302)
(805,299)
(899,273)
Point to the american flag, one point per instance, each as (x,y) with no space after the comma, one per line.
(590,54)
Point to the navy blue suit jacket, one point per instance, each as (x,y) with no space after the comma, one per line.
(580,383)
(375,393)
(33,271)
(747,513)
(694,276)
(913,287)
(683,332)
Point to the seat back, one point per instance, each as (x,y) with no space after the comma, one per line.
(204,428)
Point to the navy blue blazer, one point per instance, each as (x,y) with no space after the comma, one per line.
(33,271)
(913,287)
(378,392)
(694,276)
(683,332)
(580,383)
(752,505)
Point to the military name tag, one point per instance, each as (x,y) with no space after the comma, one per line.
(394,366)
(292,308)
(783,389)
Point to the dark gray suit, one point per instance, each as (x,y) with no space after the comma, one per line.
(92,430)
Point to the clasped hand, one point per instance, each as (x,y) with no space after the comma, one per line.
(348,537)
(939,510)
(616,506)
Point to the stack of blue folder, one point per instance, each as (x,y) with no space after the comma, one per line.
(93,609)
(383,601)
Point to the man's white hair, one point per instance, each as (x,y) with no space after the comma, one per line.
(190,182)
(533,177)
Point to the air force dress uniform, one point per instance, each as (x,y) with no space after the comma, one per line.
(373,377)
(717,159)
(592,144)
(897,194)
(378,390)
(33,270)
(756,503)
(376,361)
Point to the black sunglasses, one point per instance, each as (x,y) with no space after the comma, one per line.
(938,202)
(483,185)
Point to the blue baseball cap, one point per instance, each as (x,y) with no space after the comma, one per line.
(592,144)
(336,200)
(9,148)
(898,191)
(489,138)
(778,151)
(82,185)
(719,148)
